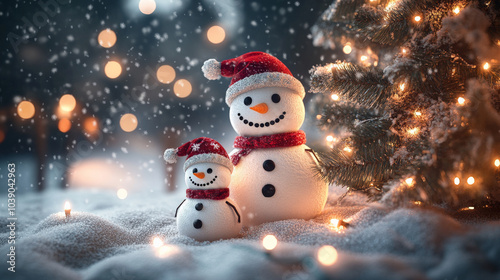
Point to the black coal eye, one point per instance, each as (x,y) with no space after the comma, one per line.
(248,100)
(209,171)
(276,98)
(195,170)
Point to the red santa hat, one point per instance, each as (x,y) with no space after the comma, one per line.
(251,71)
(199,150)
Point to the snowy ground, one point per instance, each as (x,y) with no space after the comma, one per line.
(109,238)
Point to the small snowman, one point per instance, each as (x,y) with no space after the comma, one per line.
(207,214)
(274,174)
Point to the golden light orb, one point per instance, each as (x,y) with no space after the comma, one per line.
(470,180)
(327,255)
(335,97)
(147,7)
(418,113)
(26,110)
(409,181)
(486,66)
(456,10)
(165,74)
(90,125)
(363,58)
(413,131)
(67,103)
(497,162)
(106,38)
(64,125)
(270,242)
(418,18)
(402,86)
(347,49)
(112,69)
(347,149)
(335,223)
(157,242)
(122,193)
(329,138)
(456,181)
(182,88)
(128,122)
(461,101)
(216,34)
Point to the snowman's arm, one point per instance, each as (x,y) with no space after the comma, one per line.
(318,161)
(178,208)
(235,211)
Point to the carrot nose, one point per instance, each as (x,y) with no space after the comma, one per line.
(200,175)
(260,108)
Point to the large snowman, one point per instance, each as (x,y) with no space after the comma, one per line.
(207,213)
(274,175)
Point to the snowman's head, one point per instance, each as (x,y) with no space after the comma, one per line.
(265,111)
(203,176)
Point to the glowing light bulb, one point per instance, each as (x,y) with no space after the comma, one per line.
(216,34)
(402,86)
(413,131)
(461,101)
(404,50)
(67,103)
(327,255)
(335,223)
(470,180)
(409,181)
(329,138)
(457,181)
(128,122)
(497,162)
(347,149)
(363,58)
(157,242)
(165,74)
(26,110)
(269,242)
(347,49)
(122,193)
(471,207)
(456,10)
(106,38)
(112,69)
(64,125)
(486,66)
(418,113)
(418,18)
(182,88)
(147,7)
(335,97)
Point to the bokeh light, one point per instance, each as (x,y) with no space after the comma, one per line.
(470,180)
(456,181)
(216,34)
(147,7)
(90,125)
(122,193)
(157,242)
(165,74)
(269,242)
(64,125)
(347,49)
(107,38)
(128,122)
(67,102)
(26,110)
(112,69)
(327,255)
(182,88)
(497,161)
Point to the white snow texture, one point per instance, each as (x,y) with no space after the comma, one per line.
(108,238)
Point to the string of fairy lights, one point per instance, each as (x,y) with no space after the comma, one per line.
(113,69)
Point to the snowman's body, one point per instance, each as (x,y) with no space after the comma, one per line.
(217,219)
(290,190)
(278,183)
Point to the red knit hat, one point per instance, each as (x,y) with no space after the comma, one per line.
(251,71)
(199,150)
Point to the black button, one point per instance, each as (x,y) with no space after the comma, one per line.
(199,206)
(268,165)
(197,224)
(268,190)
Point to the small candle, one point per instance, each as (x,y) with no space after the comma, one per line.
(67,209)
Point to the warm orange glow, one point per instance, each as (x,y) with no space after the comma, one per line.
(334,223)
(409,181)
(456,181)
(486,66)
(165,74)
(128,122)
(90,125)
(363,58)
(456,10)
(329,138)
(182,88)
(122,193)
(461,101)
(470,180)
(26,110)
(418,18)
(67,103)
(269,242)
(216,34)
(335,97)
(64,125)
(413,131)
(404,50)
(157,242)
(402,86)
(347,49)
(418,113)
(497,161)
(67,206)
(147,7)
(112,69)
(166,251)
(347,149)
(107,38)
(327,255)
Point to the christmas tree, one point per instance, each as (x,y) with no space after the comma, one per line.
(412,110)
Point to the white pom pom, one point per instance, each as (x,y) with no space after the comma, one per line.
(170,155)
(211,69)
